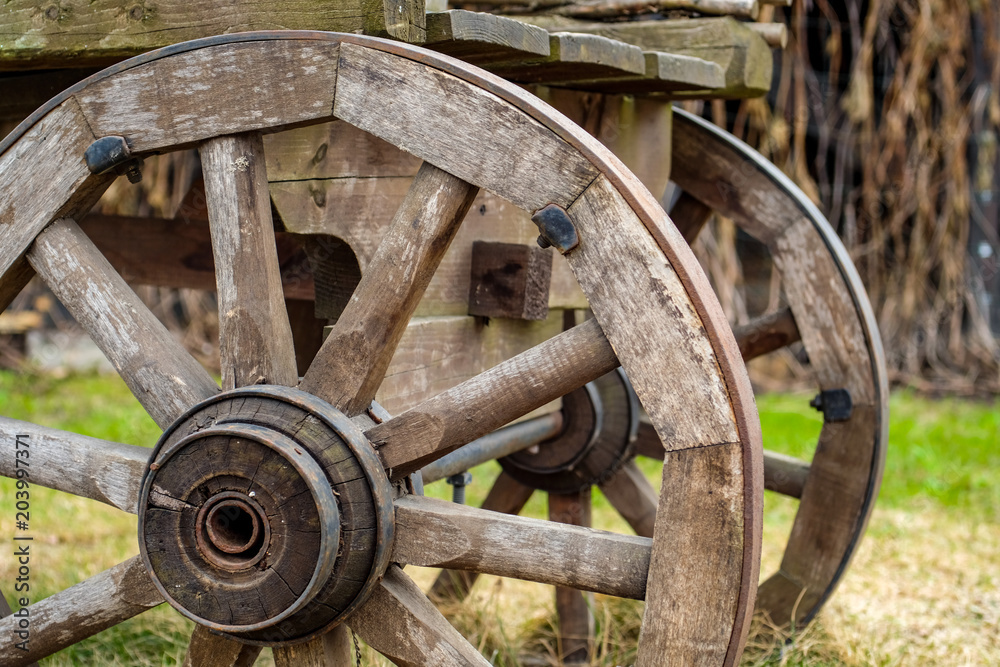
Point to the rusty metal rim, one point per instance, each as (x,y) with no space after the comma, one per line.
(862,306)
(307,468)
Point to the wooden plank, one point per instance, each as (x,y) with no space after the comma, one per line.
(208,649)
(665,73)
(573,607)
(178,253)
(488,401)
(510,280)
(98,33)
(400,622)
(106,599)
(331,649)
(478,143)
(109,472)
(694,582)
(575,57)
(696,412)
(507,495)
(484,39)
(215,90)
(255,336)
(743,55)
(631,494)
(351,365)
(158,370)
(437,533)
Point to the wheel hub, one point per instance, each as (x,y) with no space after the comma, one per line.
(265,513)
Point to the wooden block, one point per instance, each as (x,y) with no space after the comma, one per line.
(484,39)
(742,53)
(100,32)
(510,280)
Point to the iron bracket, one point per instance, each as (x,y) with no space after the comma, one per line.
(556,228)
(835,404)
(113,153)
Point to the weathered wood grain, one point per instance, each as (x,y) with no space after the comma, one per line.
(743,54)
(488,401)
(109,472)
(214,90)
(351,364)
(400,622)
(104,600)
(484,39)
(255,336)
(665,73)
(631,494)
(159,371)
(5,611)
(331,649)
(100,32)
(573,607)
(510,280)
(696,412)
(44,177)
(507,495)
(575,57)
(479,142)
(437,533)
(211,650)
(694,582)
(610,9)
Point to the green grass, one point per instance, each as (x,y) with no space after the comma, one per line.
(940,493)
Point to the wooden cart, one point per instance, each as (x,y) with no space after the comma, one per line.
(294,501)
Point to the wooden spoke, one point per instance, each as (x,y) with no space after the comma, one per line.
(256,339)
(211,650)
(352,362)
(158,370)
(576,621)
(331,649)
(633,496)
(494,398)
(766,334)
(507,495)
(104,600)
(400,622)
(518,547)
(784,474)
(689,216)
(87,467)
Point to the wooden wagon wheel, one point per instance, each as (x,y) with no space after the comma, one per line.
(275,509)
(828,311)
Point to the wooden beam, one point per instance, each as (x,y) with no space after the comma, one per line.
(575,57)
(484,39)
(519,547)
(665,73)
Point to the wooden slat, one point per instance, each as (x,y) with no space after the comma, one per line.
(488,401)
(766,334)
(352,362)
(743,54)
(160,373)
(113,31)
(215,90)
(573,607)
(665,73)
(104,600)
(478,143)
(507,495)
(484,39)
(400,622)
(574,57)
(633,496)
(437,533)
(697,408)
(109,472)
(211,650)
(255,336)
(694,583)
(331,649)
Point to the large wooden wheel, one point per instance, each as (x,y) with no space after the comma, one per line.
(277,510)
(828,311)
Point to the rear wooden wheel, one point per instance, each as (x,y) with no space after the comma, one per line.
(827,310)
(239,529)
